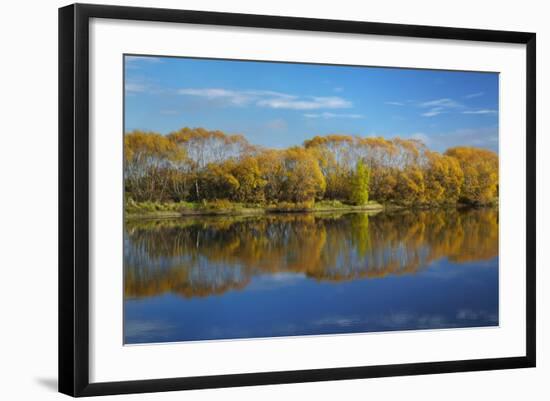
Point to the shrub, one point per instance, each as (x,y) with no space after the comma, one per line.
(219,204)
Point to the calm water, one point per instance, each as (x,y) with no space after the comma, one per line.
(302,274)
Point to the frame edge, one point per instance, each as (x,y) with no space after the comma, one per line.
(66,306)
(73,279)
(531,182)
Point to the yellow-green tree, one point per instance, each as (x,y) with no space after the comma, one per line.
(359,184)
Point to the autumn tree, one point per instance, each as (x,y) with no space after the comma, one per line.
(148,160)
(204,148)
(237,180)
(410,186)
(444,179)
(395,166)
(480,170)
(336,157)
(270,162)
(197,164)
(302,180)
(251,183)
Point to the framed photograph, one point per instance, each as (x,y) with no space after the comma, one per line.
(250,199)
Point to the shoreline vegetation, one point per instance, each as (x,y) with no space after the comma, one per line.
(155,210)
(200,172)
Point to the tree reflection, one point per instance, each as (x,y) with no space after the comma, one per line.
(211,255)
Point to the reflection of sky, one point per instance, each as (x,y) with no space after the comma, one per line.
(146,330)
(275,281)
(445,295)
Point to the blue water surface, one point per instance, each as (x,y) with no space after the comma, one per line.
(291,275)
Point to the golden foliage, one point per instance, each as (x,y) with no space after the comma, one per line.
(480,170)
(200,165)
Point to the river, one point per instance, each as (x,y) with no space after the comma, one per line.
(208,278)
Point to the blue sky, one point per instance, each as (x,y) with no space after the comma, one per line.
(282,104)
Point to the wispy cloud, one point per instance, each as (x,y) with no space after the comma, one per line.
(433,112)
(270,99)
(445,102)
(147,59)
(327,115)
(439,106)
(472,95)
(233,97)
(482,111)
(135,87)
(312,103)
(395,103)
(135,63)
(138,84)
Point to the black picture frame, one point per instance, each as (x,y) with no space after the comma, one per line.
(74,198)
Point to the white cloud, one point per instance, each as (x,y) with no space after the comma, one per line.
(327,115)
(270,99)
(482,111)
(312,103)
(433,112)
(445,103)
(268,93)
(439,106)
(232,97)
(135,87)
(472,95)
(148,59)
(395,103)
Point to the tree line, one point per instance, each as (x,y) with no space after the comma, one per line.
(195,165)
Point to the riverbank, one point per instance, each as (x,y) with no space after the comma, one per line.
(156,210)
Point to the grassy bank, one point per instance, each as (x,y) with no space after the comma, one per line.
(135,210)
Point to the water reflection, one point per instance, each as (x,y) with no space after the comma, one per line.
(209,256)
(299,274)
